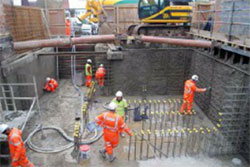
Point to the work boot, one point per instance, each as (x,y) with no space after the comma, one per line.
(103,153)
(111,157)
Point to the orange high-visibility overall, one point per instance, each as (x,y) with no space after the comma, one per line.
(112,125)
(189,89)
(17,149)
(68,29)
(51,85)
(100,75)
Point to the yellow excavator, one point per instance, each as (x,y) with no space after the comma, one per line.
(94,9)
(163,18)
(158,17)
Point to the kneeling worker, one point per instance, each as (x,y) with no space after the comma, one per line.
(16,146)
(51,85)
(112,125)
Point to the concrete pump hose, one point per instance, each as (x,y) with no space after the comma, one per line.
(64,135)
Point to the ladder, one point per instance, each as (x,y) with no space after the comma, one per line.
(8,94)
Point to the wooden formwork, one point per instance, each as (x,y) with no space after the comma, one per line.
(119,18)
(25,23)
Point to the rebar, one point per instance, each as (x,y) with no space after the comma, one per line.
(141,146)
(135,146)
(149,135)
(129,148)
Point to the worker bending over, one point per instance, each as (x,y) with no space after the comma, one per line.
(51,84)
(88,73)
(16,146)
(100,75)
(112,124)
(189,89)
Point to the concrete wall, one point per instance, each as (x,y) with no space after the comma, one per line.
(23,70)
(162,71)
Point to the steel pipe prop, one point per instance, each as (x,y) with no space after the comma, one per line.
(177,41)
(34,44)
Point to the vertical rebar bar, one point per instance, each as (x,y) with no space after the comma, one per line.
(181,141)
(141,147)
(135,146)
(175,142)
(169,140)
(189,132)
(129,147)
(161,146)
(155,142)
(149,135)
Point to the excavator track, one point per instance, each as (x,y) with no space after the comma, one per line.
(159,30)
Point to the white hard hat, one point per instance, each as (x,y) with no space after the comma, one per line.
(101,65)
(112,106)
(118,94)
(3,128)
(89,61)
(48,79)
(195,77)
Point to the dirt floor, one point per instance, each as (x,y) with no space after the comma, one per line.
(58,109)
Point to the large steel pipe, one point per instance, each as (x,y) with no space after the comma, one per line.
(34,44)
(177,41)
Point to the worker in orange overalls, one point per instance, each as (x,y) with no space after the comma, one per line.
(51,84)
(16,146)
(88,73)
(67,25)
(189,89)
(100,75)
(112,125)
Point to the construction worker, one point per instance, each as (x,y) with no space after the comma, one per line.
(51,85)
(100,75)
(112,125)
(67,28)
(16,146)
(122,106)
(88,73)
(189,89)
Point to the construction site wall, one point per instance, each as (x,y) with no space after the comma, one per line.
(160,71)
(227,74)
(23,70)
(118,18)
(56,21)
(227,21)
(25,23)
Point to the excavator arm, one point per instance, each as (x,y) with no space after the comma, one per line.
(94,10)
